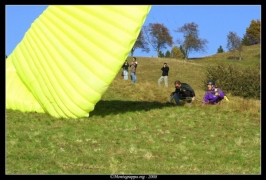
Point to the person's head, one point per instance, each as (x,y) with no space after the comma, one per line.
(164,64)
(210,84)
(134,58)
(177,84)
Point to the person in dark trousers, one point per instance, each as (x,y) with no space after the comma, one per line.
(183,91)
(213,95)
(164,77)
(125,70)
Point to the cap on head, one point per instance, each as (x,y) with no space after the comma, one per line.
(210,82)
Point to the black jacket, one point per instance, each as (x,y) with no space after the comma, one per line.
(185,91)
(125,66)
(165,71)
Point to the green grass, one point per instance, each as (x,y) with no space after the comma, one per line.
(133,131)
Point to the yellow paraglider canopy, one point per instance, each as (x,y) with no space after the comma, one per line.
(69,57)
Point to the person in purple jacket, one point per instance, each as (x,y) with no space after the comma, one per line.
(213,95)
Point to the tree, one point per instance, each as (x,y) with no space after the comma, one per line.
(191,42)
(234,43)
(245,41)
(182,51)
(161,55)
(140,43)
(158,36)
(220,49)
(253,32)
(176,53)
(167,54)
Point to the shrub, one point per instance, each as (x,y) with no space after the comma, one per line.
(238,81)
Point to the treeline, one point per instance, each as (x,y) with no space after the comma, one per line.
(158,37)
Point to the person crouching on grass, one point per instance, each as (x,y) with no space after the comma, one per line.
(183,91)
(213,95)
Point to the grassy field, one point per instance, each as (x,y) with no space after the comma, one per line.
(133,131)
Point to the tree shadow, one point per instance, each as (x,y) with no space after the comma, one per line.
(103,108)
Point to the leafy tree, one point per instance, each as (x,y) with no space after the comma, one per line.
(140,43)
(220,49)
(176,53)
(234,43)
(158,36)
(253,32)
(191,42)
(167,54)
(245,41)
(182,51)
(161,55)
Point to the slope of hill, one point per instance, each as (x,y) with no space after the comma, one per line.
(250,56)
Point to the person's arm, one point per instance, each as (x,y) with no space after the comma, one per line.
(176,91)
(189,88)
(219,93)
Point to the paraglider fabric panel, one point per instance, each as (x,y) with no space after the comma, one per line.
(69,57)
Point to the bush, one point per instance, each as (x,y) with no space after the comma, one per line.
(238,81)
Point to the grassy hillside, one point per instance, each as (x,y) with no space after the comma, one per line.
(250,56)
(133,131)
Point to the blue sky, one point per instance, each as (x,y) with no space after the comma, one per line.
(214,23)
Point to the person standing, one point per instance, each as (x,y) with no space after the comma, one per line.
(164,77)
(133,72)
(136,65)
(125,70)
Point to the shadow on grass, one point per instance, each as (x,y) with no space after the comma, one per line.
(103,108)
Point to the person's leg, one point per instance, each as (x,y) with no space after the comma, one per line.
(176,98)
(125,75)
(166,81)
(170,99)
(160,80)
(131,76)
